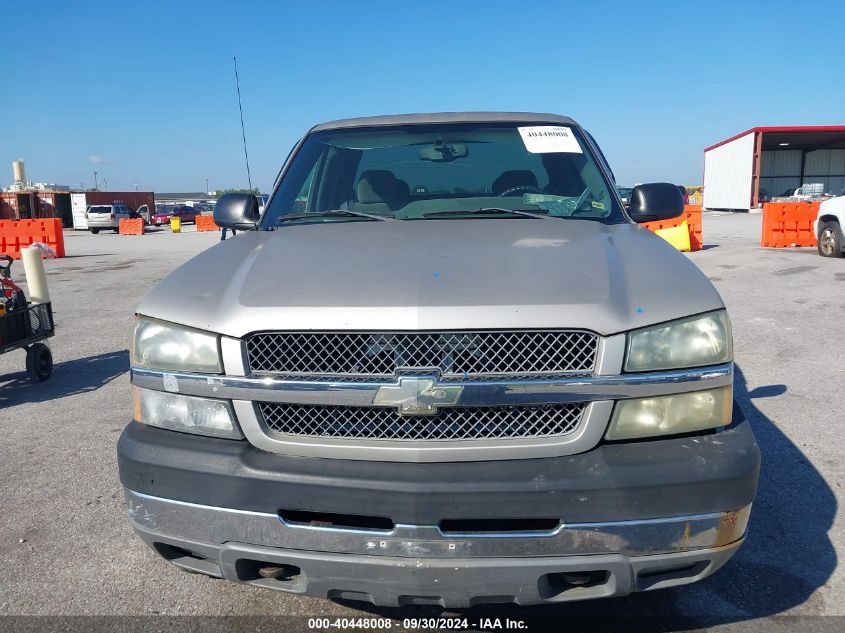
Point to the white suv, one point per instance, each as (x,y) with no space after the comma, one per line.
(106,216)
(828,227)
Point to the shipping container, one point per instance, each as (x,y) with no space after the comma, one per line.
(8,209)
(15,205)
(135,200)
(54,204)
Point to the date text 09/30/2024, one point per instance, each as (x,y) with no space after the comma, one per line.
(456,624)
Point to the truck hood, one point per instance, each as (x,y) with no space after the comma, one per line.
(435,275)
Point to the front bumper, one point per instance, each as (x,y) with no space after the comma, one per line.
(455,582)
(632,517)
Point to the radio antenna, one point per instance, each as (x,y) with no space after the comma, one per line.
(243,133)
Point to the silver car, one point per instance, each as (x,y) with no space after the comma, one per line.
(106,216)
(444,366)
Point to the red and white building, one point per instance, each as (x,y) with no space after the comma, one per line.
(766,162)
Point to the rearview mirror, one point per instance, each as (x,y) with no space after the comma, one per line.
(237,211)
(441,152)
(655,201)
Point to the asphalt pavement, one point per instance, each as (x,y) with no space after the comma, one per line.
(67,549)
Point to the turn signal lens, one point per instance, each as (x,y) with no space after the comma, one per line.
(188,414)
(671,415)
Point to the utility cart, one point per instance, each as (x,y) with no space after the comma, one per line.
(25,325)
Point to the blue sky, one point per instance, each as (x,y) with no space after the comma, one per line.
(144,93)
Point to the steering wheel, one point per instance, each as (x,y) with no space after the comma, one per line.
(522,188)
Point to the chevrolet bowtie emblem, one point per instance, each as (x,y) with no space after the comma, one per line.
(418,396)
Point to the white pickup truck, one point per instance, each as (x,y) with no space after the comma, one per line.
(444,366)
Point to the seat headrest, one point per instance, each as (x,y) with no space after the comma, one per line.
(514,178)
(381,185)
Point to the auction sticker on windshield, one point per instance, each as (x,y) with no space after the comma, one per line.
(546,139)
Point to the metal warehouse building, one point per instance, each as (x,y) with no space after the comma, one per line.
(742,171)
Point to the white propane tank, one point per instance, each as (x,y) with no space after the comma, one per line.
(36,278)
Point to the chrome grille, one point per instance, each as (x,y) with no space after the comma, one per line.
(455,354)
(455,423)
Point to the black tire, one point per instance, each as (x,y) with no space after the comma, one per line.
(39,362)
(117,230)
(830,239)
(95,231)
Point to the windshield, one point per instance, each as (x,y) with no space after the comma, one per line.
(443,171)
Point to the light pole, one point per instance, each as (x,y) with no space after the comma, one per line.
(136,187)
(95,180)
(206,186)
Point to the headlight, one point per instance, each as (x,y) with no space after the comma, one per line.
(159,345)
(201,416)
(671,415)
(691,342)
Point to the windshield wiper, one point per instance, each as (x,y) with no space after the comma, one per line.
(486,211)
(334,213)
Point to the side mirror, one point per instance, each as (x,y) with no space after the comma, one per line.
(237,211)
(655,201)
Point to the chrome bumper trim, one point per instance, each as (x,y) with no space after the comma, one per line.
(474,393)
(632,538)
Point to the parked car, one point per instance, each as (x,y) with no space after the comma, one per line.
(203,207)
(185,213)
(106,216)
(828,226)
(490,385)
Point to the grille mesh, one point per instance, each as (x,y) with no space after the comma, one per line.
(456,423)
(461,354)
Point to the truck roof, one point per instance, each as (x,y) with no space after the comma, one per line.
(445,117)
